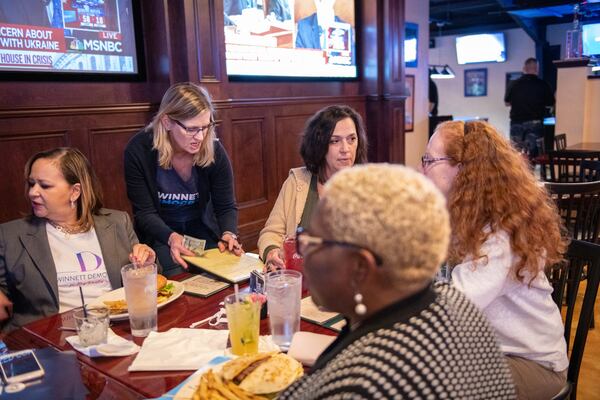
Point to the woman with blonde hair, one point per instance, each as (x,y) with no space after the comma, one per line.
(179,179)
(505,232)
(371,251)
(68,242)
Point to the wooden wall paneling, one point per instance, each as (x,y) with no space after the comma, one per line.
(15,150)
(177,20)
(207,40)
(288,137)
(107,145)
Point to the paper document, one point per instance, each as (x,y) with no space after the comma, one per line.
(203,286)
(226,265)
(310,312)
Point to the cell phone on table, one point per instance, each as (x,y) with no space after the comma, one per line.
(20,366)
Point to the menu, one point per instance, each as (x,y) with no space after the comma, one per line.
(309,311)
(203,286)
(226,265)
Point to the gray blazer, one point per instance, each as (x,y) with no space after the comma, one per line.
(27,271)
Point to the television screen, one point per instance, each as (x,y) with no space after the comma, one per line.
(411,33)
(487,47)
(591,39)
(83,36)
(290,38)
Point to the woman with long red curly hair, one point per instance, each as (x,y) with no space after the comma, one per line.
(505,232)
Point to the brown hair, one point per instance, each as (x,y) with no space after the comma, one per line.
(318,131)
(75,168)
(496,189)
(180,102)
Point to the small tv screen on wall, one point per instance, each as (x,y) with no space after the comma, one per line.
(486,47)
(68,36)
(290,38)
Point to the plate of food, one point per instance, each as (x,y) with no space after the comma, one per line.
(256,377)
(166,292)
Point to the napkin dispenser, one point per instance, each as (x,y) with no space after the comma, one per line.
(257,285)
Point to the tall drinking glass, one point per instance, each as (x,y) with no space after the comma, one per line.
(140,294)
(283,301)
(243,319)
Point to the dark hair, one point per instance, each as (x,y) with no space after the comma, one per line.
(75,168)
(531,60)
(318,131)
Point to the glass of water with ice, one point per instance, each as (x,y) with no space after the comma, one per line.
(92,325)
(284,289)
(140,293)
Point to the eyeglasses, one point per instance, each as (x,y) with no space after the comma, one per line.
(304,242)
(425,162)
(191,132)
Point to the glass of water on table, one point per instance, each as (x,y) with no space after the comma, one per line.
(284,289)
(140,293)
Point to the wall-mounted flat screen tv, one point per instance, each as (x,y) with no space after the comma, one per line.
(485,47)
(68,36)
(591,39)
(290,38)
(411,34)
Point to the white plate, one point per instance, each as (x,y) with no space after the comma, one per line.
(191,384)
(119,294)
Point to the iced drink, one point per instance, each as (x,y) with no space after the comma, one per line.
(283,301)
(243,318)
(140,294)
(92,325)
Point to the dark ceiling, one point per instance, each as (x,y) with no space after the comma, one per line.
(451,17)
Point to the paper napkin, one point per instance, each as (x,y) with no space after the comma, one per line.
(115,346)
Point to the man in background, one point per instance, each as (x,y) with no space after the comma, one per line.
(528,98)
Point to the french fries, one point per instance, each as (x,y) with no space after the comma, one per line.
(212,387)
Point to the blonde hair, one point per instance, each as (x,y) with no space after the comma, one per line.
(75,168)
(183,101)
(496,189)
(393,211)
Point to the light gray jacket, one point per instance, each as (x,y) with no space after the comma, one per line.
(27,271)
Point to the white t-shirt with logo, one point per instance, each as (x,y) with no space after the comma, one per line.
(78,260)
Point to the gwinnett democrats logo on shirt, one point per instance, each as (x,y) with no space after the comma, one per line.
(78,260)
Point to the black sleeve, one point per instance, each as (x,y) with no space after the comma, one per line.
(549,98)
(147,220)
(222,191)
(508,93)
(433,92)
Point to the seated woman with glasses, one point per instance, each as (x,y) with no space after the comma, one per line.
(68,241)
(404,338)
(179,179)
(505,232)
(334,138)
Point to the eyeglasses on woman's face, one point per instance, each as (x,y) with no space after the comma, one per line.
(193,131)
(306,244)
(426,161)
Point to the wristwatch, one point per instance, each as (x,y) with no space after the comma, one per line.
(233,235)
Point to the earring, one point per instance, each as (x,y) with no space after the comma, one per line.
(360,308)
(72,204)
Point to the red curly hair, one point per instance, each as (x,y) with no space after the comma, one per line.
(495,188)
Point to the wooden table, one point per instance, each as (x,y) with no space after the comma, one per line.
(585,146)
(107,377)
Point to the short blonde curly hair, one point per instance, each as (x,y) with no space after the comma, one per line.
(393,211)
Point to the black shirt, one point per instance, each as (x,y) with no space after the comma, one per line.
(528,97)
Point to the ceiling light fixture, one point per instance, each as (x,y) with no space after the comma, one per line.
(441,72)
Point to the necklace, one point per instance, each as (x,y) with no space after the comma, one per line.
(65,229)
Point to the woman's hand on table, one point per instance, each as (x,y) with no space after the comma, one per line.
(229,241)
(6,307)
(142,254)
(274,260)
(178,249)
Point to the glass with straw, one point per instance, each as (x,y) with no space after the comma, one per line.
(91,323)
(243,318)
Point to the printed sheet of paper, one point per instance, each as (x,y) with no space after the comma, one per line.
(201,285)
(310,312)
(226,265)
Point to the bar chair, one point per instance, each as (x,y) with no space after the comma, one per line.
(560,141)
(564,165)
(580,256)
(589,171)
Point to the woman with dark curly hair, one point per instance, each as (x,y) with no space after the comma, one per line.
(334,138)
(505,232)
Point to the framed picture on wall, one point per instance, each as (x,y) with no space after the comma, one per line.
(476,82)
(409,104)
